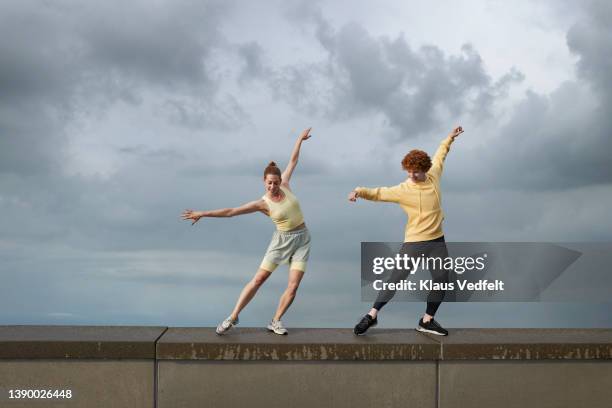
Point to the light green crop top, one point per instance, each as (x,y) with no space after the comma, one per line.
(287,213)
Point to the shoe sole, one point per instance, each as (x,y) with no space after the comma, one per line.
(430,331)
(275,332)
(363,334)
(221,333)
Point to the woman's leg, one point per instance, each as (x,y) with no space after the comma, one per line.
(295,277)
(249,291)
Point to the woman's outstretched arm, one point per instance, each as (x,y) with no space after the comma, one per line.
(295,154)
(253,206)
(437,163)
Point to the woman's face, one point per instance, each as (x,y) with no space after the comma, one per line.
(272,183)
(417,176)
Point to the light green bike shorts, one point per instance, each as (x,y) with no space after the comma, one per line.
(292,247)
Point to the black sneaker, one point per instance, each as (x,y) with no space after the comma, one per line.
(364,324)
(431,327)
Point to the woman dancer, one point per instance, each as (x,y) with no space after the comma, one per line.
(290,242)
(419,196)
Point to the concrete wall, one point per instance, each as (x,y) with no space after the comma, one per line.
(92,383)
(192,367)
(102,366)
(543,384)
(299,384)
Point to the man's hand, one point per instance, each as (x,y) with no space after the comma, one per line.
(456,132)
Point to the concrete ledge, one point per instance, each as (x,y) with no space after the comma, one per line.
(527,344)
(300,345)
(107,342)
(136,367)
(391,344)
(242,344)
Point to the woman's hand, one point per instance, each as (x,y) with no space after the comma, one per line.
(456,132)
(305,134)
(353,195)
(295,154)
(192,215)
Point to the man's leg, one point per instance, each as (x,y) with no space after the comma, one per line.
(384,296)
(440,276)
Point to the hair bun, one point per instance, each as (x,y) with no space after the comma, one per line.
(272,169)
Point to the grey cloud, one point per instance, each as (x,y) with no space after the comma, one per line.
(498,91)
(65,62)
(31,142)
(561,140)
(52,75)
(161,155)
(75,60)
(253,167)
(591,39)
(414,89)
(168,46)
(252,55)
(222,113)
(304,87)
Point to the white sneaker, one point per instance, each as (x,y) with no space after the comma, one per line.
(277,327)
(225,325)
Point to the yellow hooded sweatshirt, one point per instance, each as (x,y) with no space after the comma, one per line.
(420,201)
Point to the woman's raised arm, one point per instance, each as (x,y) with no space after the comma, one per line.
(295,154)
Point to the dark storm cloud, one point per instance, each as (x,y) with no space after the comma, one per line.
(64,63)
(415,89)
(591,39)
(36,82)
(65,60)
(164,45)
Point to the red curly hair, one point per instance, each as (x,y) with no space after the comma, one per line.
(416,160)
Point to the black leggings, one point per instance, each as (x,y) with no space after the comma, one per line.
(432,248)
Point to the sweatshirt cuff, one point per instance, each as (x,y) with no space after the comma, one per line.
(448,141)
(361,191)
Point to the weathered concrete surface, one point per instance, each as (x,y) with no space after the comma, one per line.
(115,366)
(301,344)
(93,383)
(525,384)
(296,384)
(113,342)
(526,344)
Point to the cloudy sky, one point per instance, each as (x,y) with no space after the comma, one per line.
(115,116)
